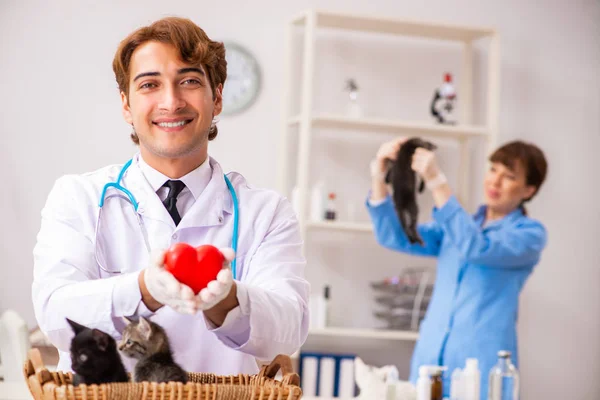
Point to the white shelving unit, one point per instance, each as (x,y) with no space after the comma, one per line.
(340,226)
(307,122)
(366,334)
(395,126)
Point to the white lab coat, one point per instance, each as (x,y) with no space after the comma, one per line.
(272,317)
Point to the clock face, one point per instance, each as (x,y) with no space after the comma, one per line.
(243,79)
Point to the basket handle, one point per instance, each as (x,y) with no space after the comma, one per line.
(35,365)
(284,363)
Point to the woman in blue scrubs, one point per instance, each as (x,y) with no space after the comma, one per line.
(483,259)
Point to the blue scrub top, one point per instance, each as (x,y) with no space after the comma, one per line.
(480,273)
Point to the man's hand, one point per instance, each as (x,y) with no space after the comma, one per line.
(160,287)
(163,288)
(218,289)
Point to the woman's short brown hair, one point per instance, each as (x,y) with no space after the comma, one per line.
(194,47)
(530,157)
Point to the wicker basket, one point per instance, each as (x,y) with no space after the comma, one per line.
(47,385)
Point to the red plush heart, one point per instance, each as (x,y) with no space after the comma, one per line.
(194,267)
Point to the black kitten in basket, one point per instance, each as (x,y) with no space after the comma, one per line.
(94,357)
(404,182)
(147,342)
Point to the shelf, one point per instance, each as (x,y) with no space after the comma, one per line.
(392,26)
(381,334)
(395,126)
(340,226)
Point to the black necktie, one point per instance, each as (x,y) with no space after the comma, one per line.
(170,203)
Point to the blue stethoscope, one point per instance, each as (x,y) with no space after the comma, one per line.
(131,199)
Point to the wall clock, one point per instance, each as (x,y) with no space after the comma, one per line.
(243,82)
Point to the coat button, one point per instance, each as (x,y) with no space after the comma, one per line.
(220,219)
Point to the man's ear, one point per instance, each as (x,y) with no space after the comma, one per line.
(125,109)
(218,99)
(529,192)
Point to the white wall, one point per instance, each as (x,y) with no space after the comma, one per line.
(60,114)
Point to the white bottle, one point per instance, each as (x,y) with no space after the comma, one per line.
(317,202)
(391,380)
(471,379)
(319,309)
(296,200)
(456,385)
(326,306)
(424,384)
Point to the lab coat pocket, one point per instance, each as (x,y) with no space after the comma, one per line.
(119,243)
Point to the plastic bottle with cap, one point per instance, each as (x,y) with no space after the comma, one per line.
(456,385)
(471,379)
(391,380)
(317,200)
(424,384)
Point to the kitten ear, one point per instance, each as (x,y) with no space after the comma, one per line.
(144,328)
(128,320)
(101,339)
(77,328)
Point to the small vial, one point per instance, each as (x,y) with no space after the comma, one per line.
(503,379)
(330,210)
(437,388)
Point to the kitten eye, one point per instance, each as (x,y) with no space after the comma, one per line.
(83,358)
(128,342)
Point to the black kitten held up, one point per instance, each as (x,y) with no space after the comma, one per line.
(147,342)
(404,183)
(94,357)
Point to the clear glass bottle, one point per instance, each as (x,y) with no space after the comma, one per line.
(503,381)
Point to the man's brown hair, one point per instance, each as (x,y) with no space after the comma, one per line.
(193,45)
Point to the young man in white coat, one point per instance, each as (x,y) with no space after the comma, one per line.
(171,76)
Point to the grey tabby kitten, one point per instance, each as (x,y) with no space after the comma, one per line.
(148,343)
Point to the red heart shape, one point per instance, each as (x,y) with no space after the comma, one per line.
(194,267)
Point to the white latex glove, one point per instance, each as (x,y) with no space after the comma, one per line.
(424,163)
(387,151)
(218,289)
(167,290)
